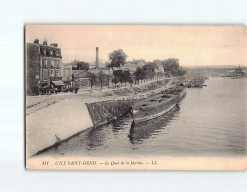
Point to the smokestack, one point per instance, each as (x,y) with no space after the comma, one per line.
(97,58)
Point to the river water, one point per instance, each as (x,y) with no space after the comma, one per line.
(210,121)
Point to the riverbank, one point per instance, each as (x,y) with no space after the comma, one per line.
(53,119)
(210,122)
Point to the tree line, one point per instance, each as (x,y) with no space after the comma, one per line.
(144,70)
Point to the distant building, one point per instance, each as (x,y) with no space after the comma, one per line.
(67,75)
(237,72)
(118,68)
(73,64)
(43,66)
(79,74)
(129,67)
(82,78)
(106,70)
(92,66)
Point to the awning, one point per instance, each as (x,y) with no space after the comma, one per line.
(58,83)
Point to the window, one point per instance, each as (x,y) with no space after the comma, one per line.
(48,62)
(57,53)
(44,63)
(57,73)
(52,73)
(57,63)
(52,63)
(44,51)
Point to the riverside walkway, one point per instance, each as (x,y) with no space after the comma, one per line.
(35,103)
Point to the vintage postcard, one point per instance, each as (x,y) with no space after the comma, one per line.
(136,97)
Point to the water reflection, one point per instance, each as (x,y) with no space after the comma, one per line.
(143,130)
(107,136)
(95,138)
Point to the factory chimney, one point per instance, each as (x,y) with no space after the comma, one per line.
(97,58)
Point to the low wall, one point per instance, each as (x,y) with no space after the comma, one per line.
(104,112)
(52,125)
(58,121)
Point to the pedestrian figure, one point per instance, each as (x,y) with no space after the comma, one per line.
(77,86)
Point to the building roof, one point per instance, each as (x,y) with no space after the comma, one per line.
(79,73)
(104,68)
(49,50)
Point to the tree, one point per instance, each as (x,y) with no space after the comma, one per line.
(92,77)
(157,62)
(127,77)
(83,66)
(170,65)
(139,62)
(108,78)
(149,70)
(181,72)
(102,78)
(117,58)
(160,74)
(115,80)
(118,76)
(145,72)
(139,74)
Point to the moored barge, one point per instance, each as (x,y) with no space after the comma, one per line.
(156,106)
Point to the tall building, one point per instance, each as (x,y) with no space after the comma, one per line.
(97,58)
(43,66)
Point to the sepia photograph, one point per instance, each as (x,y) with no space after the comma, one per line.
(136,97)
(123,96)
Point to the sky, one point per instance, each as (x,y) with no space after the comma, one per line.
(192,45)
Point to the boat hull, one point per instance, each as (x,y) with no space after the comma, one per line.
(161,110)
(147,118)
(145,129)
